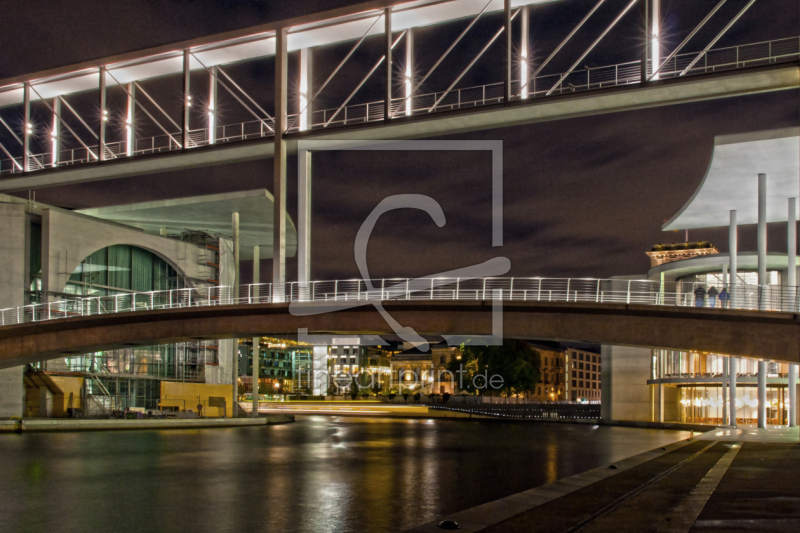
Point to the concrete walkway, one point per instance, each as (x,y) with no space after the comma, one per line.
(68,424)
(722,480)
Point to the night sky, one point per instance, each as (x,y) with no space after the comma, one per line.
(583,197)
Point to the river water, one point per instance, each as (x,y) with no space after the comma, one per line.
(319,474)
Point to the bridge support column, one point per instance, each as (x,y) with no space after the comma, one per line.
(212,106)
(792,395)
(130,130)
(187,97)
(54,133)
(762,394)
(409,81)
(791,255)
(734,369)
(101,134)
(733,251)
(304,220)
(279,173)
(387,45)
(306,89)
(762,241)
(523,60)
(256,373)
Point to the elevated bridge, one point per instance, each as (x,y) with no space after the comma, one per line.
(760,322)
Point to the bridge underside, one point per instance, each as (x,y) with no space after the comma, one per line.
(612,100)
(769,335)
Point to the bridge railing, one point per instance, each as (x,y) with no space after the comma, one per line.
(586,79)
(557,290)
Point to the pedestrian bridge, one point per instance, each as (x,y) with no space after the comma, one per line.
(759,322)
(141,131)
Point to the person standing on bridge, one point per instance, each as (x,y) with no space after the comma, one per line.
(724,297)
(712,297)
(699,296)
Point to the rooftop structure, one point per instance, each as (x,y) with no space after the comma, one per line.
(667,253)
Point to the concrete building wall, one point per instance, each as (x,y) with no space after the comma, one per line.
(222,373)
(68,238)
(215,399)
(13,280)
(625,392)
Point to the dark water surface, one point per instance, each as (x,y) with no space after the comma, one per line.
(319,474)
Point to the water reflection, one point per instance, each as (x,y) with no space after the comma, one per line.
(319,474)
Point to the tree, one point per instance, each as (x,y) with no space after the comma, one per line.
(511,368)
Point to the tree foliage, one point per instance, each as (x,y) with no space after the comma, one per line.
(511,368)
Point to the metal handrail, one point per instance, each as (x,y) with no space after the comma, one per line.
(714,60)
(773,298)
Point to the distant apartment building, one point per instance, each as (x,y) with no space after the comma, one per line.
(567,374)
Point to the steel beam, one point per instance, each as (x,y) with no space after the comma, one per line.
(388,46)
(187,97)
(130,123)
(54,144)
(306,66)
(212,105)
(101,133)
(655,36)
(279,173)
(688,38)
(508,65)
(27,127)
(523,46)
(646,42)
(591,47)
(717,38)
(409,77)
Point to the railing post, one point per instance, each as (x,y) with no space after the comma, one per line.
(458,286)
(336,290)
(629,292)
(383,282)
(597,295)
(484,289)
(539,296)
(313,291)
(511,290)
(431,288)
(568,280)
(408,294)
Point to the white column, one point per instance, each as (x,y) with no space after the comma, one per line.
(655,43)
(212,106)
(762,240)
(28,131)
(187,97)
(734,369)
(235,232)
(387,47)
(305,88)
(279,172)
(303,219)
(762,394)
(792,395)
(725,275)
(726,363)
(523,59)
(54,132)
(130,130)
(791,255)
(103,116)
(733,255)
(409,81)
(256,350)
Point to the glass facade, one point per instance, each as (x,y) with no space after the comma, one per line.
(704,405)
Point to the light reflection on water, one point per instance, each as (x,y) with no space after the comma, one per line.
(319,474)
